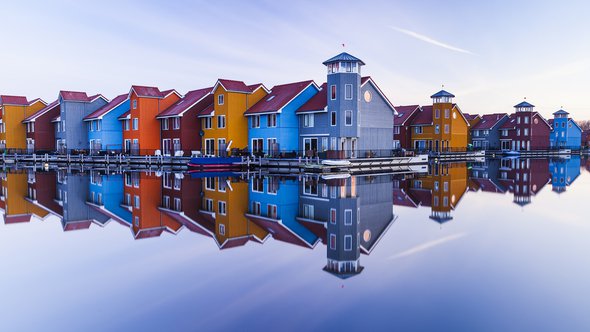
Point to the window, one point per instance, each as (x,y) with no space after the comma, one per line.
(126,124)
(221,185)
(136,221)
(220,100)
(445,186)
(396,130)
(435,200)
(308,211)
(271,120)
(446,129)
(308,120)
(256,208)
(333,118)
(476,133)
(446,113)
(176,123)
(177,183)
(134,104)
(207,123)
(272,211)
(526,131)
(209,205)
(348,242)
(333,241)
(273,185)
(135,178)
(436,186)
(445,201)
(136,201)
(518,120)
(504,132)
(221,229)
(258,185)
(526,119)
(333,216)
(210,183)
(486,132)
(165,124)
(348,91)
(221,121)
(437,129)
(310,187)
(256,121)
(347,217)
(418,130)
(348,118)
(128,179)
(135,123)
(332,92)
(98,124)
(90,127)
(166,201)
(221,206)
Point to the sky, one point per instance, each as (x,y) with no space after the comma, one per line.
(491,55)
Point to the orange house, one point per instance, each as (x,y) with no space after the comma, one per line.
(19,199)
(141,129)
(224,125)
(15,109)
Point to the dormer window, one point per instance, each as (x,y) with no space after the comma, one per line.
(134,104)
(220,99)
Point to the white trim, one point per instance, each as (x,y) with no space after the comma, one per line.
(105,113)
(370,79)
(297,95)
(312,135)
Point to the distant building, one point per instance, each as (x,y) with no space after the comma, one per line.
(104,129)
(565,132)
(40,129)
(485,134)
(14,109)
(526,130)
(402,132)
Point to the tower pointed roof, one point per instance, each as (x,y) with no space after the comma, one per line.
(344,57)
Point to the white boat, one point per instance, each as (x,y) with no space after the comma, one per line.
(335,176)
(332,162)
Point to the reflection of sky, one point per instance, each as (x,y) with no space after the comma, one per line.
(494,267)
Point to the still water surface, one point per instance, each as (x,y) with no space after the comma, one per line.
(499,246)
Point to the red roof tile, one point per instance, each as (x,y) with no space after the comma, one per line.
(99,113)
(207,111)
(470,117)
(317,102)
(125,115)
(510,124)
(235,86)
(147,233)
(488,121)
(150,91)
(42,111)
(76,225)
(37,100)
(424,117)
(404,113)
(14,219)
(279,97)
(200,98)
(14,100)
(255,87)
(74,96)
(234,242)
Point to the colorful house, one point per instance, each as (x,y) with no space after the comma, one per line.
(349,117)
(565,132)
(440,127)
(105,194)
(179,123)
(485,134)
(71,132)
(104,129)
(273,205)
(40,130)
(526,130)
(273,126)
(141,128)
(14,109)
(402,132)
(564,171)
(17,206)
(224,126)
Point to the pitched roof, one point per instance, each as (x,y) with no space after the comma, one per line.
(488,121)
(42,111)
(471,117)
(37,100)
(207,111)
(125,115)
(442,93)
(235,86)
(281,232)
(560,112)
(366,79)
(510,124)
(343,57)
(151,91)
(404,113)
(424,117)
(524,104)
(279,97)
(202,98)
(14,100)
(317,102)
(74,96)
(99,113)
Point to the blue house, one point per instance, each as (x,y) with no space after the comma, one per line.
(273,205)
(105,132)
(350,117)
(564,171)
(273,126)
(105,194)
(71,133)
(565,133)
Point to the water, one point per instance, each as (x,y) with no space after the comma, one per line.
(500,246)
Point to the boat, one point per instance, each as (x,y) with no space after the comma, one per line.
(335,176)
(332,162)
(511,153)
(215,163)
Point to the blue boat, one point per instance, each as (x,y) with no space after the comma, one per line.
(215,163)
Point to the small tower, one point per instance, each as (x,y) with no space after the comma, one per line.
(559,131)
(524,107)
(344,88)
(442,108)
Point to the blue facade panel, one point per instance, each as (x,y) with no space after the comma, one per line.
(111,129)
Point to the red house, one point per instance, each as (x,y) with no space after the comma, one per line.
(526,130)
(402,132)
(180,127)
(40,129)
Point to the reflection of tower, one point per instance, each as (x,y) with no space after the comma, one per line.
(522,177)
(564,172)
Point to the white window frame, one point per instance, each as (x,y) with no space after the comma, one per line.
(220,99)
(347,242)
(271,120)
(207,122)
(348,92)
(135,124)
(222,208)
(346,114)
(348,217)
(219,121)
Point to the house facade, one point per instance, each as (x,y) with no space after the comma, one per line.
(485,134)
(141,128)
(13,110)
(402,132)
(180,125)
(526,130)
(350,117)
(564,171)
(565,132)
(273,125)
(40,130)
(71,132)
(105,132)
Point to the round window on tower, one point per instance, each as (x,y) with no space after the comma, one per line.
(368,96)
(455,115)
(367,235)
(536,121)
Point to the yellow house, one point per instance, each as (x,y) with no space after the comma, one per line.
(224,126)
(225,201)
(19,196)
(440,127)
(15,109)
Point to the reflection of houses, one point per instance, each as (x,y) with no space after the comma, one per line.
(565,132)
(524,178)
(273,205)
(40,130)
(18,198)
(225,203)
(105,194)
(143,197)
(564,172)
(351,215)
(484,177)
